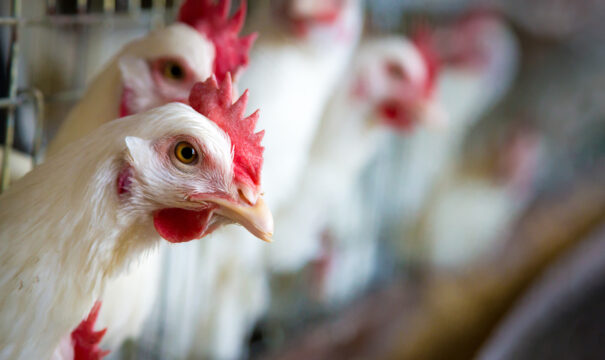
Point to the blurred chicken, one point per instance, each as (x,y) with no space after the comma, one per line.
(302,52)
(476,201)
(388,89)
(169,172)
(479,54)
(161,67)
(303,49)
(156,69)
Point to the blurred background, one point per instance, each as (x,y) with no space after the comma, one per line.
(473,231)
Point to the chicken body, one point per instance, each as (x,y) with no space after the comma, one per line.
(477,199)
(84,216)
(466,89)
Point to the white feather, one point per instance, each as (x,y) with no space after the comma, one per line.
(66,233)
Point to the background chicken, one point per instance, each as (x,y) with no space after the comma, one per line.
(388,89)
(479,54)
(477,199)
(303,50)
(170,172)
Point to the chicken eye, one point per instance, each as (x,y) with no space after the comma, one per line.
(173,70)
(185,153)
(395,71)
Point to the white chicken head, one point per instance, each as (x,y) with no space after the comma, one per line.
(197,169)
(163,66)
(395,79)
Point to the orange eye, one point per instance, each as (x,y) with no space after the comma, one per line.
(173,70)
(185,153)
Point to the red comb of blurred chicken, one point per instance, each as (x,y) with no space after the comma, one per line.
(212,19)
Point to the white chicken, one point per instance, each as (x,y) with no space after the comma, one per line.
(389,88)
(161,67)
(156,69)
(479,56)
(83,216)
(294,72)
(303,49)
(477,199)
(396,80)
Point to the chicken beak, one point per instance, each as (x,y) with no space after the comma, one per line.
(255,218)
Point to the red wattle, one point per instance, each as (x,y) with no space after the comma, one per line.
(180,225)
(395,115)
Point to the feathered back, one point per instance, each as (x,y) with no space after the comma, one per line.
(212,19)
(215,102)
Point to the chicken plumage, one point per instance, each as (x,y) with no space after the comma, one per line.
(158,68)
(84,216)
(294,72)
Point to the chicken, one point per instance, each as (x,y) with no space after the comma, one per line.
(297,70)
(156,69)
(389,88)
(479,54)
(173,172)
(303,49)
(161,67)
(476,201)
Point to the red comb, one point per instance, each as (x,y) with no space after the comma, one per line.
(215,102)
(212,19)
(423,40)
(85,340)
